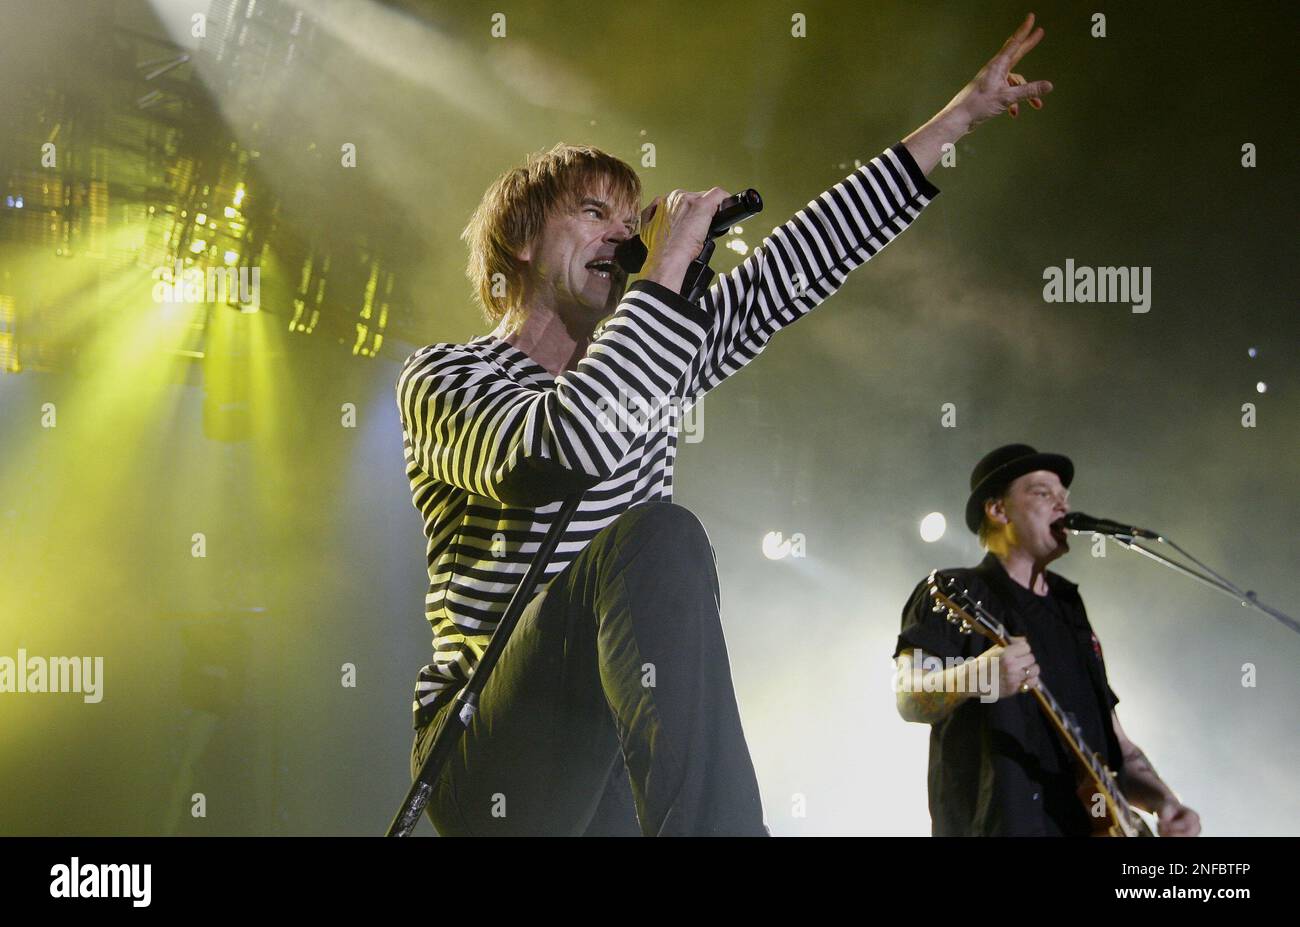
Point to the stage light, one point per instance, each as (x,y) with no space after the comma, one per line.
(1251,352)
(1261,387)
(239,194)
(198,245)
(231,212)
(231,257)
(774,548)
(933,526)
(201,218)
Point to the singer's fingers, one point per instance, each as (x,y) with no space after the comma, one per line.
(715,196)
(654,223)
(1006,56)
(1038,88)
(1027,45)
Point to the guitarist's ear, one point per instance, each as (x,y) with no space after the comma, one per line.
(995,510)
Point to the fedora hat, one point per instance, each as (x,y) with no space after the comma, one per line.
(998,468)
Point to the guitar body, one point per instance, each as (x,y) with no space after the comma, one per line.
(1109,824)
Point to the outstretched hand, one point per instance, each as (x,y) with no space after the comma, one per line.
(997,88)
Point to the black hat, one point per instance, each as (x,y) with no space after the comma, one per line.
(998,468)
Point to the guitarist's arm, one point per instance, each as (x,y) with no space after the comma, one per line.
(935,699)
(925,707)
(1148,791)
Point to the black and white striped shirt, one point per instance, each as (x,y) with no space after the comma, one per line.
(493,442)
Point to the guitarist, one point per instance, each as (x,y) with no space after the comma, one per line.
(997,765)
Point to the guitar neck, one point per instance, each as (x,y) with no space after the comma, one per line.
(1073,737)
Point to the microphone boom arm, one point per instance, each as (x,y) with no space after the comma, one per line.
(1246,597)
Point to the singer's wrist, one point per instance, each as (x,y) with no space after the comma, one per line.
(925,145)
(667,272)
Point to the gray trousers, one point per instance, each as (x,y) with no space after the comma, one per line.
(612,710)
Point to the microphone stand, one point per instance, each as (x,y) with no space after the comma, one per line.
(457,721)
(1209,577)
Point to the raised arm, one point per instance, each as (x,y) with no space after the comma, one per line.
(808,258)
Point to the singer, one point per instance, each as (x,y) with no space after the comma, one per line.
(612,710)
(998,768)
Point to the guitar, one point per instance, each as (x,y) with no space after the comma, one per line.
(1095,779)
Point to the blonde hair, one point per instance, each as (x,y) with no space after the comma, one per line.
(514,210)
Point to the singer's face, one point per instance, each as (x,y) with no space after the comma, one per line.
(1034,505)
(572,262)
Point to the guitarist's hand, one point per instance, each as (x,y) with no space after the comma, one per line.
(1177,820)
(1017,668)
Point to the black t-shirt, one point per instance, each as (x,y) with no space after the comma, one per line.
(1000,768)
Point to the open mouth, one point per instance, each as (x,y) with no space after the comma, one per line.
(1058,529)
(602,268)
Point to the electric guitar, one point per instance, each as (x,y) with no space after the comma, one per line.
(1096,781)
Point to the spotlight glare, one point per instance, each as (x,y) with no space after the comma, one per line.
(933,526)
(1261,387)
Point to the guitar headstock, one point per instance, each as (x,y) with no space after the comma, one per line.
(955,602)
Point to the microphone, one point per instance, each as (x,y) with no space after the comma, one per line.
(735,209)
(631,254)
(1077,521)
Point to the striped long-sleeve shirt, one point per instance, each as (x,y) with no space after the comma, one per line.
(493,442)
